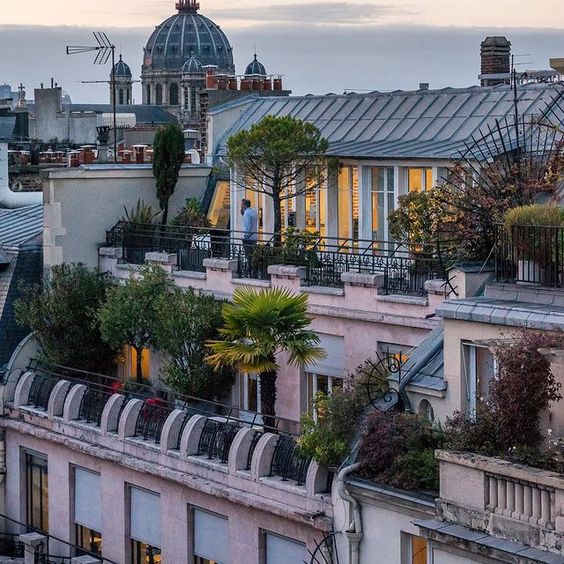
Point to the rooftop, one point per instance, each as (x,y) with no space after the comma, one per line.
(22,226)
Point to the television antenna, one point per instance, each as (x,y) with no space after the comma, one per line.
(105,50)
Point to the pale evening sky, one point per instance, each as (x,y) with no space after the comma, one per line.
(319,46)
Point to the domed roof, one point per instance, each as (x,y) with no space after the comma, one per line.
(255,68)
(187,34)
(121,68)
(192,66)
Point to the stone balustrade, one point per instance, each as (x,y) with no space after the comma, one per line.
(511,501)
(191,445)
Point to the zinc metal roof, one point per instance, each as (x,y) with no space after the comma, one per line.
(417,124)
(20,226)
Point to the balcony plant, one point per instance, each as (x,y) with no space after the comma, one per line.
(62,315)
(257,326)
(536,234)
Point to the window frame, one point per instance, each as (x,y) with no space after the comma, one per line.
(28,456)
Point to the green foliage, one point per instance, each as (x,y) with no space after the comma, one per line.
(130,314)
(398,449)
(168,156)
(186,321)
(508,424)
(140,214)
(273,153)
(327,438)
(259,325)
(535,214)
(191,215)
(62,314)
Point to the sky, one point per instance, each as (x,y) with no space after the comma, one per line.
(319,46)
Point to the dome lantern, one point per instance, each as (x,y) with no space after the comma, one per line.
(186,6)
(255,68)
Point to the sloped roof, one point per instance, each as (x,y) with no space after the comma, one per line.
(21,226)
(418,124)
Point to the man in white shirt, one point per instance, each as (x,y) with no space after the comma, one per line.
(250,234)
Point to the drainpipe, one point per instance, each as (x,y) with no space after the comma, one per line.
(354,531)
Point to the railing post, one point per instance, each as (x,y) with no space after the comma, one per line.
(34,543)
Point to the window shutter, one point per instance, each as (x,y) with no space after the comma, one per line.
(280,550)
(211,537)
(334,362)
(145,516)
(87,499)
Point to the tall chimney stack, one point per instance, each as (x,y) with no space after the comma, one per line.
(495,53)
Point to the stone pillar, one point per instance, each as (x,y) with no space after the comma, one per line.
(33,542)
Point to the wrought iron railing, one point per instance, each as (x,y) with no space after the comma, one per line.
(254,442)
(151,420)
(92,405)
(288,462)
(403,268)
(41,389)
(216,439)
(531,254)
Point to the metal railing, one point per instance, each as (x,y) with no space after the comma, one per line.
(403,267)
(41,389)
(532,254)
(287,462)
(92,405)
(151,420)
(216,439)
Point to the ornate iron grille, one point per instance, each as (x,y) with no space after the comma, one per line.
(150,421)
(216,439)
(41,389)
(287,462)
(92,405)
(326,551)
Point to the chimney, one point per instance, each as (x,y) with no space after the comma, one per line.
(495,54)
(423,86)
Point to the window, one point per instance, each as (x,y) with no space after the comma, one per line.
(88,539)
(282,550)
(120,97)
(419,179)
(173,94)
(142,553)
(211,538)
(347,186)
(401,352)
(415,550)
(249,391)
(131,358)
(425,410)
(145,526)
(159,95)
(315,206)
(478,365)
(149,94)
(383,201)
(88,509)
(37,491)
(320,383)
(219,209)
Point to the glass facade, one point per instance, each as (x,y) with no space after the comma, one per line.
(37,492)
(348,219)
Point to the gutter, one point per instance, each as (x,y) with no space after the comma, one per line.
(354,530)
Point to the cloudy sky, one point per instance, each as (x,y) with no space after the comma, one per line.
(318,45)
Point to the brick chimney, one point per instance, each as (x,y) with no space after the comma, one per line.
(495,53)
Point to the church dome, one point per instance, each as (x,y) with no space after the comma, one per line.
(255,68)
(122,69)
(192,66)
(184,35)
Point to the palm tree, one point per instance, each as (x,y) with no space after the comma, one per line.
(257,326)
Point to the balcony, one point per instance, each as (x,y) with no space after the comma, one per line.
(518,503)
(398,268)
(531,255)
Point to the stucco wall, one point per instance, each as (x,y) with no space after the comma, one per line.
(82,204)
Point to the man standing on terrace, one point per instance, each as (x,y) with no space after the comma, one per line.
(250,230)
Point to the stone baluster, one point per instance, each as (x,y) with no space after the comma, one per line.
(527,502)
(501,494)
(536,513)
(492,493)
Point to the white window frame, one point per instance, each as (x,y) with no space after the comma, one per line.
(470,373)
(312,381)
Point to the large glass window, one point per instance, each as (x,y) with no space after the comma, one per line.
(315,205)
(131,358)
(383,201)
(348,202)
(37,491)
(219,210)
(249,386)
(88,509)
(143,553)
(419,179)
(478,364)
(159,95)
(173,94)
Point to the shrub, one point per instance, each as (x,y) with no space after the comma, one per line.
(62,314)
(534,214)
(398,449)
(191,215)
(141,214)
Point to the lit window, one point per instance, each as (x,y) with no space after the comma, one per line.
(219,210)
(347,186)
(131,356)
(142,553)
(315,205)
(89,540)
(400,352)
(383,201)
(419,179)
(418,550)
(319,383)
